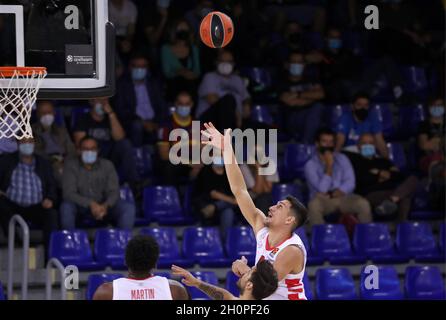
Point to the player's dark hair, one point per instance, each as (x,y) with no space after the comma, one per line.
(88,138)
(299,210)
(141,254)
(360,95)
(323,131)
(264,280)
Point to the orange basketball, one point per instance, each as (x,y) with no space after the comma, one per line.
(216,30)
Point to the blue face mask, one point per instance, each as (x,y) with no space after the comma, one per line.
(296,69)
(334,43)
(99,109)
(437,111)
(368,150)
(26,149)
(89,157)
(139,74)
(183,111)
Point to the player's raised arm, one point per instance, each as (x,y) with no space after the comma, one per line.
(254,216)
(212,291)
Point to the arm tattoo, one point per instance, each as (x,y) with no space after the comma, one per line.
(214,292)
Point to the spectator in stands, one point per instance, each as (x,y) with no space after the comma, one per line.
(28,188)
(8,145)
(91,188)
(212,196)
(331,182)
(259,186)
(360,120)
(180,60)
(123,14)
(195,15)
(379,180)
(139,102)
(175,174)
(300,98)
(102,124)
(52,141)
(223,97)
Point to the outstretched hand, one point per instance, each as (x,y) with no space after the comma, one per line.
(188,278)
(216,139)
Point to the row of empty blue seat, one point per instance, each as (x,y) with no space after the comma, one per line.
(420,282)
(203,246)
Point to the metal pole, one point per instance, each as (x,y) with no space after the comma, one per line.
(11,237)
(49,282)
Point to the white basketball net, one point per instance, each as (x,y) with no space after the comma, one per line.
(16,101)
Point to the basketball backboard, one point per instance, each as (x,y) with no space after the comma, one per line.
(73,39)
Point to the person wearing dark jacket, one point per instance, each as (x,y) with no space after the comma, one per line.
(378,179)
(28,188)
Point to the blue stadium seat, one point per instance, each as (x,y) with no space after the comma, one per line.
(204,246)
(335,284)
(169,247)
(384,114)
(109,247)
(397,155)
(312,260)
(260,78)
(162,274)
(281,190)
(144,163)
(262,114)
(295,157)
(374,241)
(162,203)
(72,247)
(231,283)
(77,113)
(308,288)
(206,276)
(416,240)
(424,283)
(2,294)
(95,280)
(409,119)
(241,241)
(426,214)
(415,81)
(388,285)
(331,242)
(334,114)
(442,237)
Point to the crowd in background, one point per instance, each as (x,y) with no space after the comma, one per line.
(317,55)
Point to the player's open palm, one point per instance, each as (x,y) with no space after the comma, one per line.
(216,139)
(188,278)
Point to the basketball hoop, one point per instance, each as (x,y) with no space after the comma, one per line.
(17,99)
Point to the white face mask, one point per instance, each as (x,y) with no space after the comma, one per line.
(47,120)
(225,68)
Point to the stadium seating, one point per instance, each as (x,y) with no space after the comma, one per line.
(261,114)
(387,284)
(204,246)
(143,157)
(415,81)
(424,283)
(162,203)
(311,258)
(334,114)
(295,157)
(206,276)
(416,240)
(95,280)
(169,247)
(281,190)
(374,241)
(77,113)
(260,78)
(231,283)
(331,242)
(72,247)
(2,294)
(109,247)
(335,284)
(397,155)
(162,274)
(442,237)
(409,119)
(384,114)
(308,288)
(241,241)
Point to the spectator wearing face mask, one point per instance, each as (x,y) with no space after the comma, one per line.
(380,181)
(180,60)
(212,196)
(28,188)
(360,120)
(331,181)
(52,141)
(177,173)
(138,101)
(102,124)
(300,99)
(223,97)
(91,188)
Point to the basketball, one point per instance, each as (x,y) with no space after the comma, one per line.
(216,30)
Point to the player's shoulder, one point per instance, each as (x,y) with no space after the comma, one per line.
(104,292)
